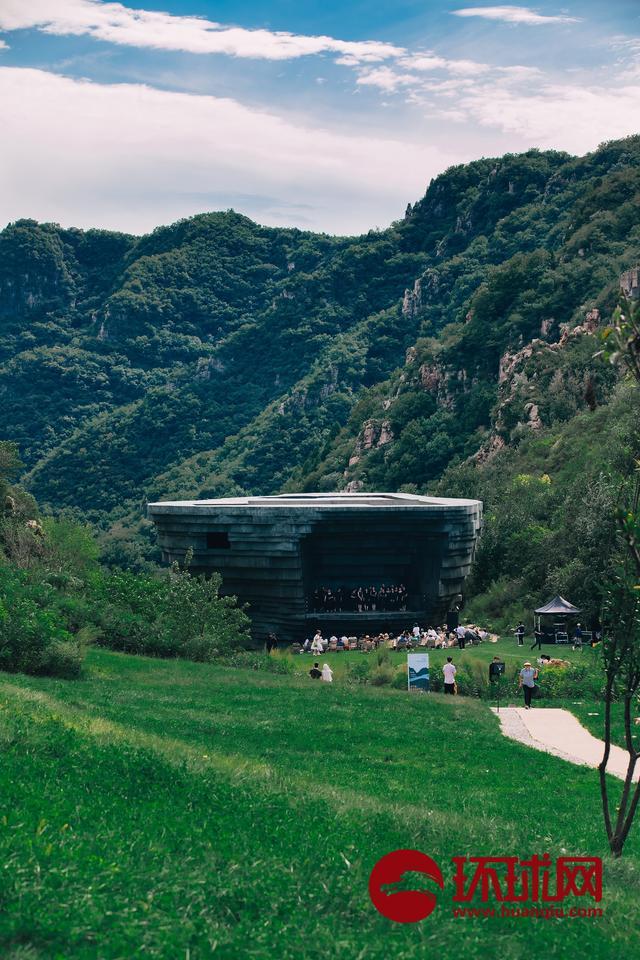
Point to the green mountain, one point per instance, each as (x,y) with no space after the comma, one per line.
(453,350)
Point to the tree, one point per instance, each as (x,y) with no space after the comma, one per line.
(621,650)
(624,335)
(10,466)
(621,615)
(201,622)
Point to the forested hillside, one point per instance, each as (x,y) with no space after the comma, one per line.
(453,352)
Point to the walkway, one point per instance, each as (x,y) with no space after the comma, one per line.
(559,732)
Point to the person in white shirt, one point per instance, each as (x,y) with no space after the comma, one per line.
(327,673)
(416,631)
(461,635)
(449,672)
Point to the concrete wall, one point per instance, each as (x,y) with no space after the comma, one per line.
(275,544)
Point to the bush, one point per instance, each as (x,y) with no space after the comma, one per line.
(252,660)
(172,615)
(382,674)
(357,672)
(62,659)
(33,638)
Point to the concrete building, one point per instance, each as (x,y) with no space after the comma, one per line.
(275,553)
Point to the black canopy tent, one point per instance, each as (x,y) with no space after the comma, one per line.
(558,607)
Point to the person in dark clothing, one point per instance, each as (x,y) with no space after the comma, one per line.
(520,633)
(315,673)
(537,642)
(496,669)
(272,642)
(577,639)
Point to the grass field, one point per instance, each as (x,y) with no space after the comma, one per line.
(507,649)
(175,810)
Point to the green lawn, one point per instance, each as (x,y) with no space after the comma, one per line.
(176,810)
(507,649)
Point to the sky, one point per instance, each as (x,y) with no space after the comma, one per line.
(309,113)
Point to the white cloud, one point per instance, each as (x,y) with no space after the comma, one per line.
(628,62)
(520,73)
(511,14)
(410,70)
(449,87)
(115,23)
(3,45)
(570,117)
(131,157)
(424,62)
(387,79)
(429,61)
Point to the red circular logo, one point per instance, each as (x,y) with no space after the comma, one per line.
(403,906)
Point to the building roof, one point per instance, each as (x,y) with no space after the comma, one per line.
(558,606)
(318,500)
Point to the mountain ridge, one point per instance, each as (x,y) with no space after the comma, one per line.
(216,357)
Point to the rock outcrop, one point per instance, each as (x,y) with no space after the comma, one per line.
(374,434)
(412,300)
(630,283)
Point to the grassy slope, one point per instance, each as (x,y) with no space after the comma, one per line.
(159,807)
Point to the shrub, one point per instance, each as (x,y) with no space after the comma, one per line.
(382,674)
(253,660)
(357,672)
(62,659)
(172,615)
(33,638)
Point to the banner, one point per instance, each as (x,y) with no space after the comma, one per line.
(418,671)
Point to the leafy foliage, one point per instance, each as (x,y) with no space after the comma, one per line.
(177,615)
(215,357)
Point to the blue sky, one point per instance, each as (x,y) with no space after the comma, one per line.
(328,116)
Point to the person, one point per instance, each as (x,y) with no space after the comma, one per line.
(327,673)
(537,639)
(416,632)
(306,646)
(496,668)
(577,638)
(461,634)
(527,682)
(272,642)
(520,634)
(316,643)
(315,673)
(449,672)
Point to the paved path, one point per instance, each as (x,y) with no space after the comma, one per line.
(559,732)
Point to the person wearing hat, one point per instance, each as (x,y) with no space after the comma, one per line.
(527,682)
